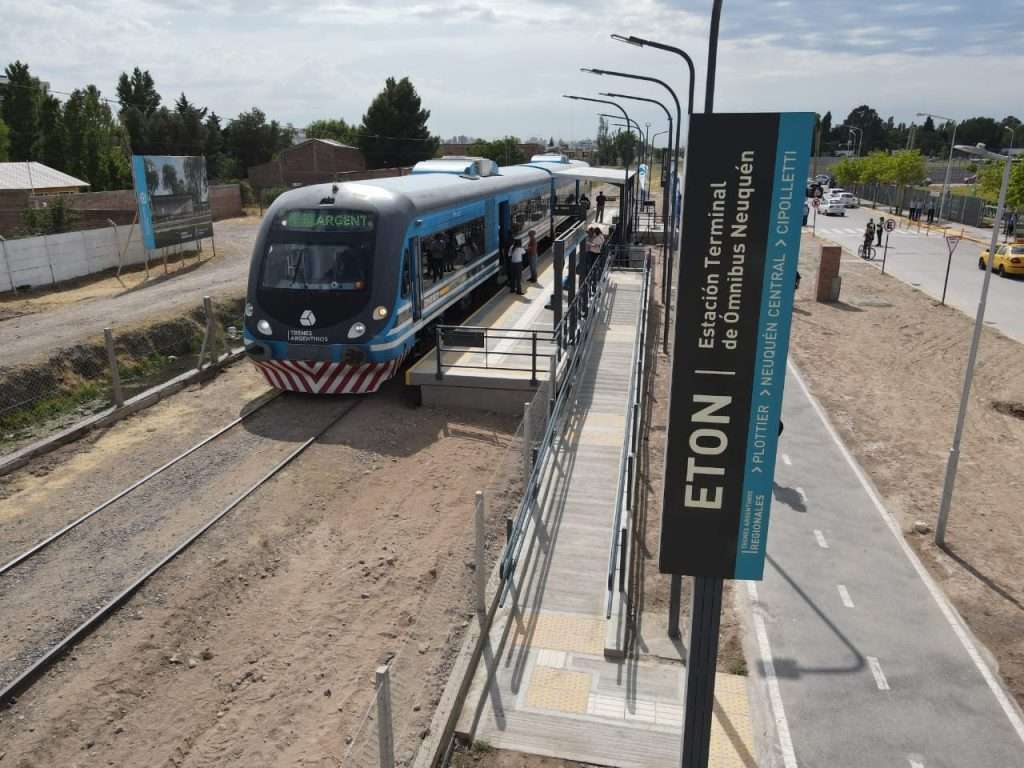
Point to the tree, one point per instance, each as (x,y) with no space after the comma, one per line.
(505,151)
(138,91)
(217,163)
(847,171)
(394,129)
(21,111)
(95,142)
(626,147)
(329,128)
(5,141)
(990,178)
(605,150)
(981,129)
(824,131)
(189,131)
(50,144)
(867,120)
(251,140)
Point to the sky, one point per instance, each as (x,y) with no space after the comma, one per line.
(498,67)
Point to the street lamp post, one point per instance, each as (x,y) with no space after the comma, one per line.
(972,356)
(949,162)
(667,264)
(860,138)
(632,124)
(623,210)
(666,212)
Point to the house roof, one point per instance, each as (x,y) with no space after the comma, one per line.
(331,142)
(34,175)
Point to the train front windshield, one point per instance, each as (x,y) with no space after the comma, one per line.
(319,250)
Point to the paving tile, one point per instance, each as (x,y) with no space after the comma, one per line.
(559,690)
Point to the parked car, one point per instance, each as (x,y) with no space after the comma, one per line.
(971,180)
(1009,259)
(850,201)
(831,206)
(822,178)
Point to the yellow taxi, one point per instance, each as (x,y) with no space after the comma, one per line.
(1009,259)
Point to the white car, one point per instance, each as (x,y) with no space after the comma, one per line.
(831,206)
(843,198)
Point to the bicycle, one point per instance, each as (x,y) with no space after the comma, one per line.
(866,252)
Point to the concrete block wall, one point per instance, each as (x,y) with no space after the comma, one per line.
(42,261)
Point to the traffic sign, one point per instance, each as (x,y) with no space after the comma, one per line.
(890,225)
(735,300)
(816,202)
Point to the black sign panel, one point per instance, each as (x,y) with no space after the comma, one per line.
(742,209)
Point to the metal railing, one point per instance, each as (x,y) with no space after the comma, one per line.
(625,495)
(573,334)
(483,348)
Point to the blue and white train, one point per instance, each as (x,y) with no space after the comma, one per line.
(344,277)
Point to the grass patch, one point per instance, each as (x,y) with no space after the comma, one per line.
(147,366)
(51,407)
(482,747)
(737,667)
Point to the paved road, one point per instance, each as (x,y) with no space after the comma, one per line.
(920,260)
(873,666)
(39,336)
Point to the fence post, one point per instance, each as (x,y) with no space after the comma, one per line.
(552,381)
(481,579)
(527,443)
(437,346)
(208,335)
(7,263)
(385,735)
(115,375)
(533,360)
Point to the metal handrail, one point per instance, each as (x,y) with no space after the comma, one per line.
(627,457)
(592,288)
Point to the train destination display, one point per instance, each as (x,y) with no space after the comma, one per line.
(742,210)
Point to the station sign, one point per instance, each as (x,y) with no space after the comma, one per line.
(742,210)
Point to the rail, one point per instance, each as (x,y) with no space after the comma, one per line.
(480,347)
(625,495)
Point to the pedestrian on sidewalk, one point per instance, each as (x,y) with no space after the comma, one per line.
(531,255)
(599,211)
(807,210)
(515,263)
(931,213)
(912,211)
(879,228)
(1011,225)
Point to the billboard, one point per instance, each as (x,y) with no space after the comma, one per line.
(742,210)
(173,199)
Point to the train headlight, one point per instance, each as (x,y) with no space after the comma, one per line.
(263,327)
(357,330)
(380,313)
(249,309)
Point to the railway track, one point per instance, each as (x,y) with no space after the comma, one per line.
(33,656)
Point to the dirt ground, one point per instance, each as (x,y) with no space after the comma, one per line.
(258,645)
(887,362)
(483,756)
(36,325)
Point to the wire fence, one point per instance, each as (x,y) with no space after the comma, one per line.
(38,400)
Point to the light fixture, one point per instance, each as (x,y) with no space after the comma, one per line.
(629,40)
(380,313)
(249,309)
(357,330)
(264,327)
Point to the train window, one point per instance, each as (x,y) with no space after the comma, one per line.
(451,249)
(317,266)
(407,273)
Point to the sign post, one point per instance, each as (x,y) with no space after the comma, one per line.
(890,225)
(952,241)
(741,234)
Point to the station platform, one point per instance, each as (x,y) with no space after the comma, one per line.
(548,682)
(501,354)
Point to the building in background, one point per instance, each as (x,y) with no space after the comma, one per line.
(314,161)
(37,178)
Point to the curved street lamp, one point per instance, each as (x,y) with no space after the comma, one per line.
(949,162)
(623,210)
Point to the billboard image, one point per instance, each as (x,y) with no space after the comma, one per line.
(174,199)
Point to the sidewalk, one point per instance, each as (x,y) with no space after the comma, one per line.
(862,657)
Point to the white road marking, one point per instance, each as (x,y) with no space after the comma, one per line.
(915,763)
(879,675)
(786,460)
(774,694)
(844,595)
(820,537)
(948,612)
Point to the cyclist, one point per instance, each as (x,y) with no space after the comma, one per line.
(869,236)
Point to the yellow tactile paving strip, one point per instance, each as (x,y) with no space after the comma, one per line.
(562,632)
(732,736)
(558,689)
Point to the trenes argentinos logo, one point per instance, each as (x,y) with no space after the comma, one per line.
(307,318)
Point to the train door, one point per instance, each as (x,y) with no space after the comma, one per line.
(415,264)
(504,238)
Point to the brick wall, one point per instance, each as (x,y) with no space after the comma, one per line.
(313,162)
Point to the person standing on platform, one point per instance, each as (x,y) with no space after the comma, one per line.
(599,211)
(531,255)
(515,262)
(931,213)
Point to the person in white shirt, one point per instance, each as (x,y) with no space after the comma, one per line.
(515,258)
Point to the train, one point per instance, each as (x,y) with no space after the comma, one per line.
(346,277)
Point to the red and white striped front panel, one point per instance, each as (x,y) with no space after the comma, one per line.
(327,378)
